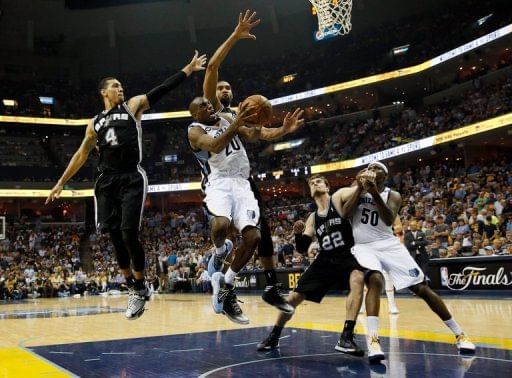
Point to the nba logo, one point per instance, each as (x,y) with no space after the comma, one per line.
(444,276)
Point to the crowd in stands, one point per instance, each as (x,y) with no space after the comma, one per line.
(462,211)
(326,139)
(456,24)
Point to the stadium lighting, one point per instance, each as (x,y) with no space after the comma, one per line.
(288,78)
(46,100)
(481,21)
(8,102)
(400,50)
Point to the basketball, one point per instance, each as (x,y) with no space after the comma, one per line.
(262,109)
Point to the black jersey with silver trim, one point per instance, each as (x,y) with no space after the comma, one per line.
(333,232)
(119,140)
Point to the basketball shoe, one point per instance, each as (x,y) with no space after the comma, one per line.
(464,345)
(375,354)
(137,301)
(216,262)
(270,342)
(274,297)
(346,344)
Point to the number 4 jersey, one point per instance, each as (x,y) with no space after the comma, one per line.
(119,140)
(232,162)
(366,223)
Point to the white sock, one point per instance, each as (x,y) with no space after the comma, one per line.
(391,298)
(229,277)
(373,326)
(221,250)
(454,326)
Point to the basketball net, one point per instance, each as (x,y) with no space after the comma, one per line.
(333,17)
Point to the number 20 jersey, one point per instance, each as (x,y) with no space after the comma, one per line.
(119,137)
(231,162)
(366,223)
(333,232)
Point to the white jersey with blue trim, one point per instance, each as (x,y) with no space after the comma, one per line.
(231,162)
(367,226)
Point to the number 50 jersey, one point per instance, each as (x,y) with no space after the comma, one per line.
(366,223)
(231,162)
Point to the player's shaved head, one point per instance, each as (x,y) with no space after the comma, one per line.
(195,104)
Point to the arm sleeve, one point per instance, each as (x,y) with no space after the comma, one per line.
(155,94)
(302,242)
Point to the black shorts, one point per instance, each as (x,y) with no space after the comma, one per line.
(265,246)
(325,272)
(119,200)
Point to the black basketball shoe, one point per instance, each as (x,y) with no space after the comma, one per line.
(273,296)
(346,344)
(230,306)
(271,342)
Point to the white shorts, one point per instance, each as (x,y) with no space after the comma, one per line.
(391,256)
(232,198)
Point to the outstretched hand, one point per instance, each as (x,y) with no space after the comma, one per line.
(245,24)
(54,193)
(291,122)
(197,63)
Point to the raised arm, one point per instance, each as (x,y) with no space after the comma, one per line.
(291,123)
(139,104)
(76,162)
(242,31)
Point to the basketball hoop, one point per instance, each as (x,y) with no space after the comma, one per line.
(333,17)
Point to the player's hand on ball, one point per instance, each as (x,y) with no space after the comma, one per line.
(246,116)
(299,227)
(292,122)
(54,193)
(245,24)
(359,177)
(197,63)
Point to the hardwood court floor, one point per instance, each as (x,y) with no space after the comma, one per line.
(37,324)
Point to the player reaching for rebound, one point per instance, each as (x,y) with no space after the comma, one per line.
(120,188)
(333,264)
(379,250)
(220,95)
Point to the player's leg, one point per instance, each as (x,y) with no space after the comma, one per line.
(272,293)
(219,206)
(313,285)
(133,188)
(375,283)
(368,257)
(390,293)
(346,343)
(272,340)
(437,305)
(224,287)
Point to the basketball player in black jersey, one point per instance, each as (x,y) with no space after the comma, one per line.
(121,186)
(220,95)
(333,264)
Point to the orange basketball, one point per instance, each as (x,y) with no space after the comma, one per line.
(262,109)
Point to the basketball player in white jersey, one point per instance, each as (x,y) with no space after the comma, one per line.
(379,250)
(220,94)
(215,141)
(388,281)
